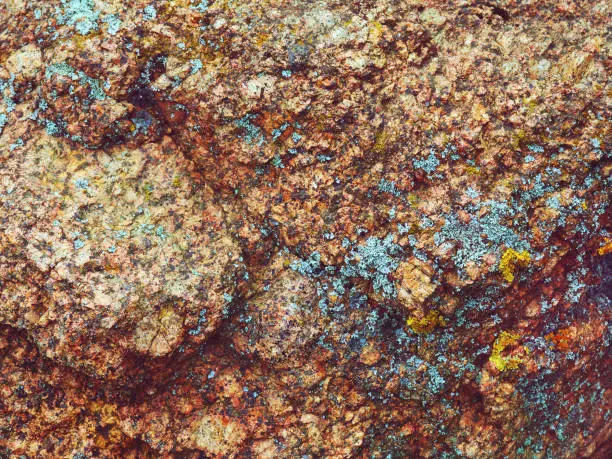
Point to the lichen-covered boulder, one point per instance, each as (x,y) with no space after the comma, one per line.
(270,228)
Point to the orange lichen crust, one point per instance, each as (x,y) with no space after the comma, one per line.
(562,339)
(605,249)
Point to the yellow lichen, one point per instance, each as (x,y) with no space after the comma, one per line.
(413,200)
(426,324)
(176,181)
(530,103)
(510,260)
(375,32)
(517,137)
(502,363)
(148,190)
(605,249)
(382,138)
(262,38)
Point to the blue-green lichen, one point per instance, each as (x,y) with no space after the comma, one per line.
(428,164)
(80,14)
(96,87)
(374,261)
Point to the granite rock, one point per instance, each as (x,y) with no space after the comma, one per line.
(304,229)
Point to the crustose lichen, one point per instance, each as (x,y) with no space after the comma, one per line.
(510,260)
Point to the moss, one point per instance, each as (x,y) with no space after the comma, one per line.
(509,261)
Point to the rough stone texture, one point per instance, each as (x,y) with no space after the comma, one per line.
(279,323)
(304,229)
(415,283)
(121,251)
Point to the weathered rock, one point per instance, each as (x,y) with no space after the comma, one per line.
(304,229)
(216,435)
(118,251)
(25,63)
(415,284)
(279,324)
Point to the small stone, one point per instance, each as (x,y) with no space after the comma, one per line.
(369,354)
(216,435)
(26,62)
(415,283)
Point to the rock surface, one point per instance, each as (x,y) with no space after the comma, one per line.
(123,253)
(304,229)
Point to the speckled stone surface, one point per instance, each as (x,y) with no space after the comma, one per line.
(264,229)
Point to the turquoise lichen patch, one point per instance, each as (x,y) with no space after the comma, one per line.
(80,14)
(388,187)
(113,22)
(253,135)
(96,87)
(309,266)
(149,13)
(472,247)
(428,164)
(536,148)
(196,66)
(374,261)
(3,121)
(200,7)
(7,90)
(18,143)
(61,68)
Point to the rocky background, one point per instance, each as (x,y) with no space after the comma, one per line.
(266,229)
